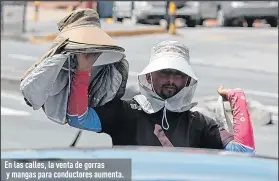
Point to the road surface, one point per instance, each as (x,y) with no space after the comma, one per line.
(245,58)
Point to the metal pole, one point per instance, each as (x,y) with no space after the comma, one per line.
(97,7)
(133,16)
(36,14)
(114,17)
(167,16)
(2,16)
(172,13)
(24,17)
(132,8)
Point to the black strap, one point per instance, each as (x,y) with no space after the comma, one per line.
(73,144)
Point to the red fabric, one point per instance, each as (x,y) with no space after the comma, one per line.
(243,129)
(78,99)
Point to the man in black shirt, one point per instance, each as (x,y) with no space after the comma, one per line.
(160,115)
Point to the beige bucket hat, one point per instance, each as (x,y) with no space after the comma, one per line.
(82,27)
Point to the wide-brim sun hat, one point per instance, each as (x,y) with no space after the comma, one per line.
(170,55)
(83,26)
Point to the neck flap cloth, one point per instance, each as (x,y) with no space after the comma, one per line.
(167,55)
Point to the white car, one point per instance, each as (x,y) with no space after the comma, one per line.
(153,12)
(229,13)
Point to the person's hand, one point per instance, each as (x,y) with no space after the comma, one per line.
(223,92)
(86,60)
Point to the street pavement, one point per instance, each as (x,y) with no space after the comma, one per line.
(244,58)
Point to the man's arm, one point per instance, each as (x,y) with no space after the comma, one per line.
(79,115)
(243,130)
(243,139)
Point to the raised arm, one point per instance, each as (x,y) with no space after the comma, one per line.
(243,138)
(79,115)
(243,130)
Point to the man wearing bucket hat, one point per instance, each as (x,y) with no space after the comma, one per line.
(161,114)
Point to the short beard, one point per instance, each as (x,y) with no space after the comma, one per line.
(168,93)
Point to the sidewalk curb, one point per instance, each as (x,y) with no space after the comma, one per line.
(112,33)
(15,37)
(10,79)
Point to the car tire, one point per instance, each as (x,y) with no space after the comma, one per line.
(273,21)
(250,22)
(191,23)
(142,21)
(201,22)
(228,23)
(120,19)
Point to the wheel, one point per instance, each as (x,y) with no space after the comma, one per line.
(120,19)
(239,22)
(250,22)
(191,23)
(273,21)
(201,22)
(142,21)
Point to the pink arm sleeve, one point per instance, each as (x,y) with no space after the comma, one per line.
(78,99)
(243,129)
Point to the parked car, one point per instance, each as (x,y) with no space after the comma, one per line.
(229,13)
(153,12)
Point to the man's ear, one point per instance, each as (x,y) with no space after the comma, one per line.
(148,78)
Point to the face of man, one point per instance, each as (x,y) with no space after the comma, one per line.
(168,82)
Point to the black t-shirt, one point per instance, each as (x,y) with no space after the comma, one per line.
(127,124)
